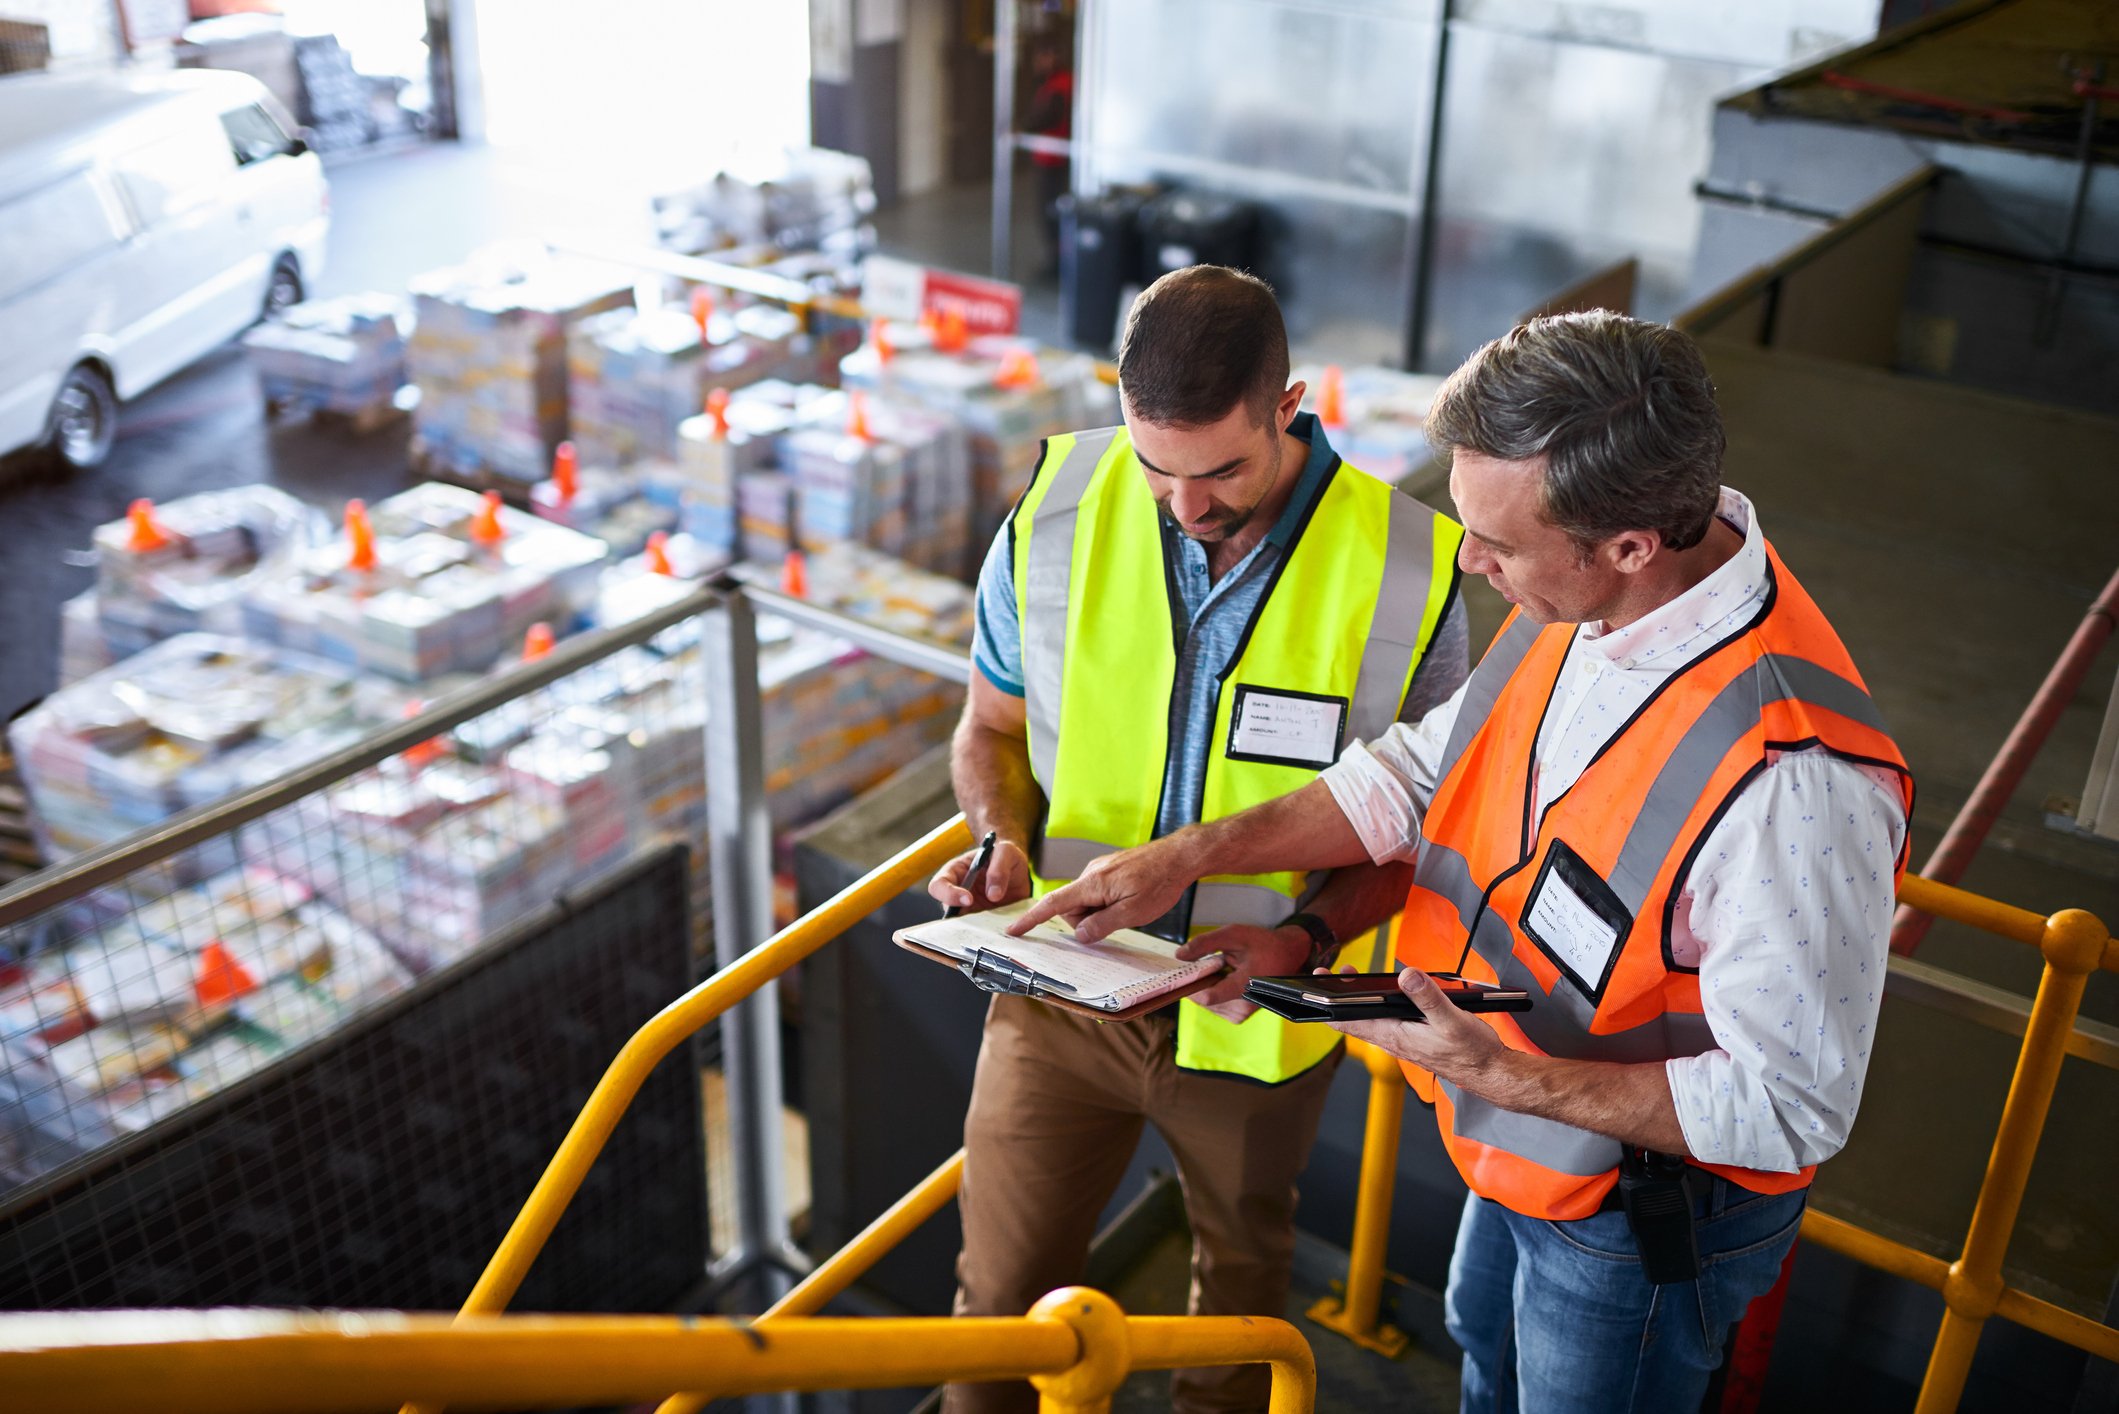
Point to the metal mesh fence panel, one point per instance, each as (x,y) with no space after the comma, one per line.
(144,1009)
(379,1165)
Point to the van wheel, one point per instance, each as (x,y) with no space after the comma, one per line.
(285,291)
(84,419)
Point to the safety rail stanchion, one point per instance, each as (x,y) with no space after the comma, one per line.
(1357,1314)
(2075,944)
(1076,1345)
(740,874)
(671,1027)
(847,1266)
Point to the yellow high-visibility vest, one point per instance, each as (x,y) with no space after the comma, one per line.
(1336,637)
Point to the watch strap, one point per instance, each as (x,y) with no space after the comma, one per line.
(1324,944)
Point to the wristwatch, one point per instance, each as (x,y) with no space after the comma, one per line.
(1324,945)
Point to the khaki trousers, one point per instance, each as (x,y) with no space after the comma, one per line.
(1056,1109)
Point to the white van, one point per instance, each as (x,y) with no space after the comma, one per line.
(145,218)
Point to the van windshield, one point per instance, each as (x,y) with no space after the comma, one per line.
(253,134)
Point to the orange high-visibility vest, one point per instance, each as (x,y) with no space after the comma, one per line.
(1622,841)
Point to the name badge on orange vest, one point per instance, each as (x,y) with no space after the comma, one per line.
(1576,920)
(1285,728)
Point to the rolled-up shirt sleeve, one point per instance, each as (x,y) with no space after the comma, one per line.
(1787,915)
(1383,786)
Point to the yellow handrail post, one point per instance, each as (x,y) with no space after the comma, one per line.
(1357,1315)
(2074,945)
(1086,1386)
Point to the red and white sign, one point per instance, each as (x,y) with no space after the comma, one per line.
(899,289)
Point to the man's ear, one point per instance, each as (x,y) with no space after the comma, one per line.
(1631,550)
(1290,404)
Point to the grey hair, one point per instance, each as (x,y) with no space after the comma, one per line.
(1622,411)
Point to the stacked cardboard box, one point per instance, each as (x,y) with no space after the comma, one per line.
(1005,394)
(489,356)
(181,723)
(1374,416)
(343,355)
(180,567)
(439,599)
(633,377)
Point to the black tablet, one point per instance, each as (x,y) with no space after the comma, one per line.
(1360,996)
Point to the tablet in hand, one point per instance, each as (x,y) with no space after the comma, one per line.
(1362,996)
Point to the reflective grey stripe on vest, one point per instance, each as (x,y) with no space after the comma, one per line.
(1219,905)
(1394,627)
(1066,859)
(1559,1147)
(1483,689)
(1049,568)
(1707,742)
(1214,905)
(1559,1025)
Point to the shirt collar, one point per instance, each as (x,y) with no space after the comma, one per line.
(1306,428)
(1702,612)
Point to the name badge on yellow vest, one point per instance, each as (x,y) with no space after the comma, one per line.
(1286,728)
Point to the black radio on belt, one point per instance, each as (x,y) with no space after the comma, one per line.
(1658,1205)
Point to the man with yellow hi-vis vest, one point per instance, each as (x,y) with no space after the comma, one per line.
(1184,616)
(1666,808)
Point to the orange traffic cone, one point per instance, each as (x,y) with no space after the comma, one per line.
(879,335)
(360,537)
(420,754)
(1331,397)
(1019,370)
(221,978)
(717,409)
(537,642)
(857,416)
(146,533)
(794,575)
(658,553)
(702,309)
(566,473)
(485,525)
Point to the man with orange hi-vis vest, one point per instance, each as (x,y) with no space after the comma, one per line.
(1665,806)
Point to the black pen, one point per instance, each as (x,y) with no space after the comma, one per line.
(976,875)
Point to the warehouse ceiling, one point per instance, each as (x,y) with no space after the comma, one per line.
(2006,73)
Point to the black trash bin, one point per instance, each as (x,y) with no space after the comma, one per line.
(1099,257)
(1183,228)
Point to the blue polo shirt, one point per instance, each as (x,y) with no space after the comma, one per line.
(1216,612)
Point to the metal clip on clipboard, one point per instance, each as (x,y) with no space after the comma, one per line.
(992,972)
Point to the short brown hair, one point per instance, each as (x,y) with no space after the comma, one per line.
(1622,411)
(1199,341)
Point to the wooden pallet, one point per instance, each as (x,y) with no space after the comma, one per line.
(19,855)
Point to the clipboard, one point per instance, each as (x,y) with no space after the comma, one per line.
(991,971)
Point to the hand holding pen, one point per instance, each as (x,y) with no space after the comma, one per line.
(995,873)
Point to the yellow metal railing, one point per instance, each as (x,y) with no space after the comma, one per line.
(2074,944)
(670,1028)
(1075,1346)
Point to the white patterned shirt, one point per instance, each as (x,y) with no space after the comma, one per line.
(1786,910)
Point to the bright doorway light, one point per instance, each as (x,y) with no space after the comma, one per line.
(655,93)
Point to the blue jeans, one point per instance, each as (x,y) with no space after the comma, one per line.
(1555,1317)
